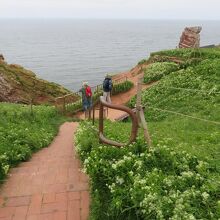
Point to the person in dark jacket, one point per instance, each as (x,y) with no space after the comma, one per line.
(107,88)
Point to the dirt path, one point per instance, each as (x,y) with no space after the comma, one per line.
(48,187)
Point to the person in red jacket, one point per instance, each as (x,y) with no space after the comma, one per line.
(86,96)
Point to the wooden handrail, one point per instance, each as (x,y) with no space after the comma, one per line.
(134,119)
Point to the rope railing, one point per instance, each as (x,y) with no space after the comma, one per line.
(193,90)
(184,115)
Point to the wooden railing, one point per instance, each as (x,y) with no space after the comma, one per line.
(134,120)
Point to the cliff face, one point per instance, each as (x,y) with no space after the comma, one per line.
(19,85)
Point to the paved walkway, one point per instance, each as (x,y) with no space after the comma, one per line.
(48,187)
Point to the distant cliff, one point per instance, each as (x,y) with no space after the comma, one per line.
(19,85)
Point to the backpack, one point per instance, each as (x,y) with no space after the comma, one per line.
(88,91)
(107,85)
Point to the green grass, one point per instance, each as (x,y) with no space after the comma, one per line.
(196,137)
(23,132)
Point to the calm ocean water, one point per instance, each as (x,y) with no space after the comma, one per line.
(71,51)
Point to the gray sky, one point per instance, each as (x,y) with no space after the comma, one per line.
(153,9)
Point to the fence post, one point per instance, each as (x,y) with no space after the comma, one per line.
(100,119)
(89,113)
(64,105)
(93,115)
(31,106)
(97,89)
(140,114)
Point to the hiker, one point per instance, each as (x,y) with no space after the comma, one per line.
(107,88)
(86,96)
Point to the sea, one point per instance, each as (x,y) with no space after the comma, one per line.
(70,51)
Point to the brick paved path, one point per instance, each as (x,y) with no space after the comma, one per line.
(48,187)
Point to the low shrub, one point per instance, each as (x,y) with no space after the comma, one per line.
(156,71)
(122,87)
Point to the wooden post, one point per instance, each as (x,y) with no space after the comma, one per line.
(89,113)
(97,89)
(64,105)
(138,101)
(140,114)
(93,115)
(31,106)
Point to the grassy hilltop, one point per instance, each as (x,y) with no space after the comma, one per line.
(179,177)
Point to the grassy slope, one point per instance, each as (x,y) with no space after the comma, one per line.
(203,101)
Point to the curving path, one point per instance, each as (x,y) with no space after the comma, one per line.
(48,187)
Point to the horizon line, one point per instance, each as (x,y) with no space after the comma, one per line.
(92,18)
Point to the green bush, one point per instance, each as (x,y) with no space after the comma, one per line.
(156,71)
(122,87)
(23,132)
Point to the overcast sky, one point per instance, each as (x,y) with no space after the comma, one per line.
(128,9)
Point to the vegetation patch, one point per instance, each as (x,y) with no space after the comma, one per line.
(122,87)
(23,132)
(156,71)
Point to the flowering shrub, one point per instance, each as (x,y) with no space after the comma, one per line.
(205,53)
(132,183)
(22,132)
(156,71)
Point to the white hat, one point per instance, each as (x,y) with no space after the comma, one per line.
(85,83)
